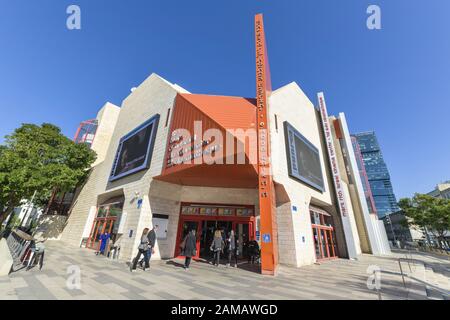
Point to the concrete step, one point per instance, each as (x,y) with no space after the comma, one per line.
(434,285)
(416,289)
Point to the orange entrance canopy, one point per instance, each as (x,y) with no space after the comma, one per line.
(227,115)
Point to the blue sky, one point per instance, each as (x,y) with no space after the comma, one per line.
(395,81)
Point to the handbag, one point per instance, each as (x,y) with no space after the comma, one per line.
(143,246)
(183,244)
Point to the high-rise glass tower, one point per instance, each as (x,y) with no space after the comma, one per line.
(377,173)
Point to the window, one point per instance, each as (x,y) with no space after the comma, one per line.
(303,158)
(167,118)
(321,219)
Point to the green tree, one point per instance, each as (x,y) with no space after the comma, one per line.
(39,158)
(429,213)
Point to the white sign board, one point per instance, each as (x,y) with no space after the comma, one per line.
(338,184)
(332,155)
(162,223)
(123,220)
(89,222)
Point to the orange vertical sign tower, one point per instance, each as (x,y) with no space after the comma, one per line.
(268,226)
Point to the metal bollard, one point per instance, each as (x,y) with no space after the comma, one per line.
(401,270)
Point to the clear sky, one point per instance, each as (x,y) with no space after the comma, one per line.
(395,81)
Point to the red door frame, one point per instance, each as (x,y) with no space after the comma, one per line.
(325,228)
(104,220)
(319,229)
(250,220)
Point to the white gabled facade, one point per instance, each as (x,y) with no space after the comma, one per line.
(143,196)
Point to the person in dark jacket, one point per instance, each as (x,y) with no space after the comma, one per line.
(217,246)
(189,248)
(253,251)
(143,248)
(151,236)
(232,248)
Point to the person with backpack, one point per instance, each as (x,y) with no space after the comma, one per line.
(217,247)
(143,250)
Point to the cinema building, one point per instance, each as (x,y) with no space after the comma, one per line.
(192,161)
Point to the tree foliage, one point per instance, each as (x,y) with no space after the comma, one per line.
(428,212)
(39,158)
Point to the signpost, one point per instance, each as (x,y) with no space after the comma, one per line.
(269,252)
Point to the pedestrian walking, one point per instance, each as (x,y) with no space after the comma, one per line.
(189,248)
(232,248)
(151,245)
(217,247)
(143,250)
(253,251)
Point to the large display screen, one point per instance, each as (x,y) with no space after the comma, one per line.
(135,149)
(303,158)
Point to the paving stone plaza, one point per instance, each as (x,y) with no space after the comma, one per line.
(102,278)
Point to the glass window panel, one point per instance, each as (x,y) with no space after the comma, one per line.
(102,211)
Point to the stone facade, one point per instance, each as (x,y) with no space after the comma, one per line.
(296,244)
(144,196)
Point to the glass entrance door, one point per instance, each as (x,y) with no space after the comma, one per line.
(323,234)
(317,243)
(207,218)
(207,235)
(242,234)
(208,228)
(94,240)
(324,243)
(107,216)
(330,243)
(101,226)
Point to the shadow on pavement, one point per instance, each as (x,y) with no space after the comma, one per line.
(175,264)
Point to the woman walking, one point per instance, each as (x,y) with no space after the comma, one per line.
(189,248)
(217,246)
(232,248)
(143,249)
